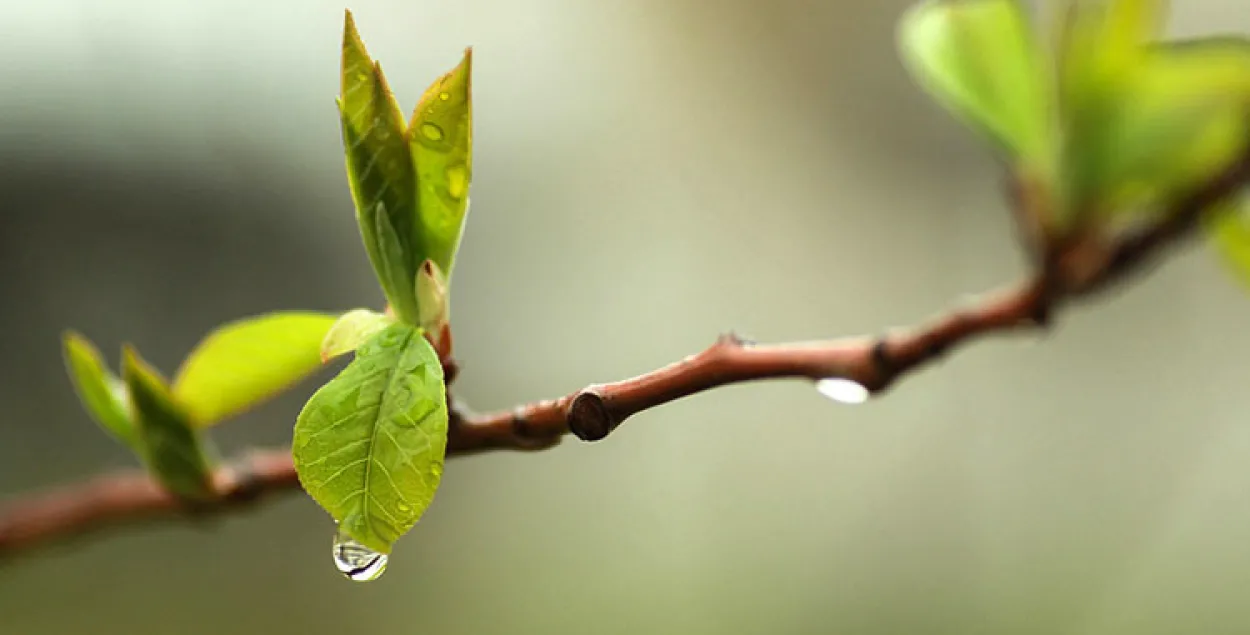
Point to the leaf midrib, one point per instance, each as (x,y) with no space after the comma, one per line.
(377,424)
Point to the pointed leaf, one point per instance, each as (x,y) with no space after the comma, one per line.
(980,60)
(246,362)
(441,140)
(352,330)
(102,394)
(171,448)
(391,260)
(369,445)
(379,168)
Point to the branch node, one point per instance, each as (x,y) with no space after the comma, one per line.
(881,359)
(589,417)
(247,484)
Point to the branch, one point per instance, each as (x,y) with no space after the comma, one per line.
(1075,270)
(591,413)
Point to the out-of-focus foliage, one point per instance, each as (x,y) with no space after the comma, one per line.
(1109,119)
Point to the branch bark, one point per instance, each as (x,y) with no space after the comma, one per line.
(1076,270)
(591,414)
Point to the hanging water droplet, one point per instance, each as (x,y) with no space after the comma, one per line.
(357,561)
(444,96)
(843,390)
(457,181)
(432,131)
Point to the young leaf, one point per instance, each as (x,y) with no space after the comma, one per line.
(379,169)
(980,60)
(432,298)
(101,392)
(245,362)
(441,140)
(1100,41)
(171,448)
(369,445)
(1145,120)
(352,330)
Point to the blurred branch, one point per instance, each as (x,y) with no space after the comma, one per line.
(1073,269)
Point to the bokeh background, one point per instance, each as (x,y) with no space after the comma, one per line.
(648,174)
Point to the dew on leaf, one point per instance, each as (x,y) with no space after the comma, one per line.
(457,181)
(431,131)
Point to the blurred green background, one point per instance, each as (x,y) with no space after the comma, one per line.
(648,174)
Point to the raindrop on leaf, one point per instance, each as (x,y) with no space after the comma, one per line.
(357,561)
(432,131)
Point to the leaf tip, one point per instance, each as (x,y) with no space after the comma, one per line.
(350,34)
(72,340)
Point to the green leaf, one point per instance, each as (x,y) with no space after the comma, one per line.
(245,362)
(379,170)
(352,330)
(432,298)
(1228,229)
(981,61)
(1145,120)
(369,445)
(441,139)
(102,394)
(170,447)
(1100,42)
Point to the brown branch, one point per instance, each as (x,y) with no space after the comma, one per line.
(591,413)
(1074,270)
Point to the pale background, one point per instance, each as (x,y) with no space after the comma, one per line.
(648,174)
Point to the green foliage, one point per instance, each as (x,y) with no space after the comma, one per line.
(980,59)
(351,330)
(379,171)
(103,395)
(1147,120)
(169,445)
(369,445)
(245,362)
(441,140)
(409,185)
(1108,119)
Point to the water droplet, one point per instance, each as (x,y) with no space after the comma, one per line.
(432,131)
(444,96)
(457,181)
(361,76)
(357,561)
(403,507)
(843,390)
(437,470)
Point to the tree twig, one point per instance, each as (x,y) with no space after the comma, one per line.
(590,413)
(873,362)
